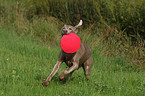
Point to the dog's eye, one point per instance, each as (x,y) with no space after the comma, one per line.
(69,28)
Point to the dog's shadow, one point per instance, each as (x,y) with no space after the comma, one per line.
(64,81)
(58,81)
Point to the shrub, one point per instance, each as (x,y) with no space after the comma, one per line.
(124,15)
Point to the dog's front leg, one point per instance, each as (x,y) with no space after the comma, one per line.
(55,69)
(66,72)
(72,68)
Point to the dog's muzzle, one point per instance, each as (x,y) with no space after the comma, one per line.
(64,31)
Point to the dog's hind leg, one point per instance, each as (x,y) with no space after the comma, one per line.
(87,67)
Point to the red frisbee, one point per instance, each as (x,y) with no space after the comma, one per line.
(70,43)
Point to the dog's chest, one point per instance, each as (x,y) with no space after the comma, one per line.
(68,58)
(69,63)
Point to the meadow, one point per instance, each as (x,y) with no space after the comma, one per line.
(25,64)
(30,44)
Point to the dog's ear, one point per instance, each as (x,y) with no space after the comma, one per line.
(80,23)
(75,31)
(63,27)
(76,27)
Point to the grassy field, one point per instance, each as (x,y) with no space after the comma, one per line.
(29,47)
(25,63)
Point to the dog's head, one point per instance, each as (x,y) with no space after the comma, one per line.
(67,29)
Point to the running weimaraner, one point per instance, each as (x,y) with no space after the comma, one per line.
(81,58)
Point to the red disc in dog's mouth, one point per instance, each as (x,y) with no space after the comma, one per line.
(70,43)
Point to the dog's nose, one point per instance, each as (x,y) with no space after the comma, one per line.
(64,31)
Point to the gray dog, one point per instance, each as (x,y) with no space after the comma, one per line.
(81,58)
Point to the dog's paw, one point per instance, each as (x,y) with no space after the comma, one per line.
(45,83)
(61,77)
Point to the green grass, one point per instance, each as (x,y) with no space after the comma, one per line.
(25,63)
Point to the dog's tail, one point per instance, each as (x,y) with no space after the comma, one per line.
(80,23)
